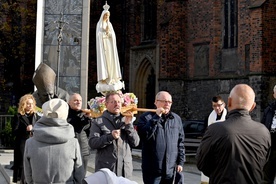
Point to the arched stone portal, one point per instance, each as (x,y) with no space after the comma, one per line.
(142,85)
(144,74)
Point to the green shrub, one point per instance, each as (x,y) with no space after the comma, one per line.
(7,137)
(12,110)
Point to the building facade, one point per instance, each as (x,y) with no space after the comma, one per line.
(193,49)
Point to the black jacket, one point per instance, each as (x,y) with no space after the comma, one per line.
(234,151)
(81,124)
(19,126)
(114,154)
(268,115)
(20,123)
(162,143)
(267,121)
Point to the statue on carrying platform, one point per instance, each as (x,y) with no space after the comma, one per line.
(44,79)
(108,66)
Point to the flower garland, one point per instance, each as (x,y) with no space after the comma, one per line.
(97,104)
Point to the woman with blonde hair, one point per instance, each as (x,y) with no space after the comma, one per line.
(22,127)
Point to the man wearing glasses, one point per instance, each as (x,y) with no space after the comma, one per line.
(218,114)
(235,150)
(162,136)
(113,135)
(219,111)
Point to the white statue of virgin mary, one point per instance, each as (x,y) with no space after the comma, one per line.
(108,65)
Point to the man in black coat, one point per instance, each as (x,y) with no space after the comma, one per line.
(269,120)
(81,123)
(236,150)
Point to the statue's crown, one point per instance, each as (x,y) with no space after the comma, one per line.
(106,6)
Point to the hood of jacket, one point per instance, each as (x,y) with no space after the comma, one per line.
(105,176)
(53,130)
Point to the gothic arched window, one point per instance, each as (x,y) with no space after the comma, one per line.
(149,20)
(230,24)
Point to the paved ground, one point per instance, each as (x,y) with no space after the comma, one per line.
(6,156)
(191,174)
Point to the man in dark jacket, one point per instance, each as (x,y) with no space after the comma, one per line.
(162,136)
(269,120)
(81,123)
(236,150)
(113,135)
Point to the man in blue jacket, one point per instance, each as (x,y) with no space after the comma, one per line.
(162,136)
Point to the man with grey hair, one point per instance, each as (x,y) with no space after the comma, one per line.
(269,120)
(162,136)
(81,123)
(236,150)
(113,135)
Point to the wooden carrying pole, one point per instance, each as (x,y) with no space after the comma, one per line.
(131,108)
(145,110)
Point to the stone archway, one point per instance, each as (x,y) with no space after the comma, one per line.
(150,93)
(144,74)
(143,81)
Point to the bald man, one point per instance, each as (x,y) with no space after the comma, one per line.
(81,123)
(236,150)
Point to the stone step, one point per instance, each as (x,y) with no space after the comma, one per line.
(6,162)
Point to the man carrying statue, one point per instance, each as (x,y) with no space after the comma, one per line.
(44,79)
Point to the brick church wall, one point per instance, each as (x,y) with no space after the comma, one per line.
(193,64)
